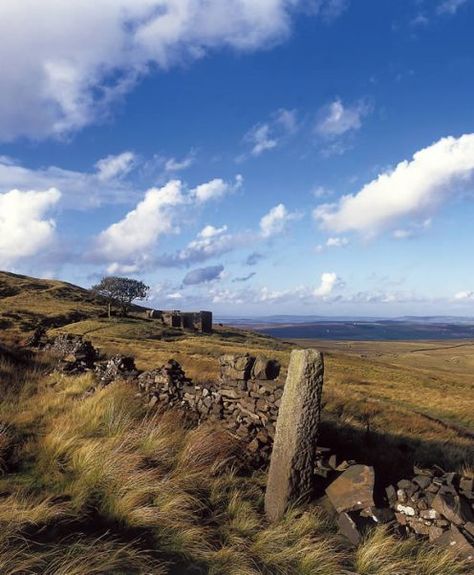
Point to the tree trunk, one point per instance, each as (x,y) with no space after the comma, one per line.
(109,309)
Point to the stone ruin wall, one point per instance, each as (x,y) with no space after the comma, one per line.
(195,320)
(246,398)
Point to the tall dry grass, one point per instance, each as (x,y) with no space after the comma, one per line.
(105,487)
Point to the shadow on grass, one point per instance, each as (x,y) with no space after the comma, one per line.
(393,456)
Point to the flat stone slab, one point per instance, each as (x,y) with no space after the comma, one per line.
(291,473)
(455,540)
(453,506)
(353,490)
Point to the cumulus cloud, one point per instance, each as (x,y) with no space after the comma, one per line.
(336,119)
(261,139)
(76,80)
(141,227)
(210,242)
(130,241)
(268,295)
(335,242)
(329,281)
(203,275)
(276,221)
(113,167)
(25,229)
(215,189)
(411,189)
(116,268)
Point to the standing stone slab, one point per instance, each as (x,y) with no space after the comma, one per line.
(292,464)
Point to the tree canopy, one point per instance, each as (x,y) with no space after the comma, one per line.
(121,292)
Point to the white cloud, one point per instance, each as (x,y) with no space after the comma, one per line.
(140,228)
(337,242)
(83,55)
(464,295)
(329,281)
(450,6)
(130,242)
(268,135)
(210,242)
(413,188)
(174,165)
(79,189)
(113,167)
(336,119)
(287,120)
(119,269)
(25,229)
(215,189)
(276,221)
(261,140)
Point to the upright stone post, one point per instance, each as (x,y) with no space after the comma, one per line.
(292,463)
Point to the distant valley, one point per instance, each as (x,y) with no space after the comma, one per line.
(366,329)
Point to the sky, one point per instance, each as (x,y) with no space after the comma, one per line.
(252,157)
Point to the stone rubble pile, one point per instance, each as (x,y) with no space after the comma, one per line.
(75,355)
(118,367)
(434,505)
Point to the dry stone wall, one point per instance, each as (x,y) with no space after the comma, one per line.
(245,399)
(433,504)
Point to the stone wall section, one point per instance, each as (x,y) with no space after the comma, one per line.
(246,398)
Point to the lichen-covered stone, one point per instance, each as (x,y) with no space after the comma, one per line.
(292,463)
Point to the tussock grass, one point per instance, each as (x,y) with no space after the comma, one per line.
(382,554)
(103,486)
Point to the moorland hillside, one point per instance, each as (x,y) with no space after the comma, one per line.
(100,484)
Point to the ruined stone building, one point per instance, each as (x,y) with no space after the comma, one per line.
(194,320)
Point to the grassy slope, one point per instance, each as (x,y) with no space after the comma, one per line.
(98,486)
(25,302)
(146,491)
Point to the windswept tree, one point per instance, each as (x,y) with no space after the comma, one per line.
(120,292)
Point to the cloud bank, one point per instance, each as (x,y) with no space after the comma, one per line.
(76,80)
(412,189)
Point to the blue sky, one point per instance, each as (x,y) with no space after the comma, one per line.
(251,157)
